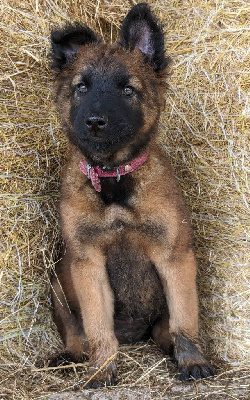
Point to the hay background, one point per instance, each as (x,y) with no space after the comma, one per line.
(205,130)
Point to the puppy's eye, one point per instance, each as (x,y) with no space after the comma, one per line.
(128,90)
(82,88)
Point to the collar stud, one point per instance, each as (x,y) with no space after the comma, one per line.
(127,168)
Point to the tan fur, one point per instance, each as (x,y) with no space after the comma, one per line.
(172,254)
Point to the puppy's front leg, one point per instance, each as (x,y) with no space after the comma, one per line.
(96,302)
(178,277)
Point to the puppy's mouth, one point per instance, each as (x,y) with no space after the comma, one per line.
(103,143)
(100,139)
(99,144)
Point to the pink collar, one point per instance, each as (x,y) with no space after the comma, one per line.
(95,172)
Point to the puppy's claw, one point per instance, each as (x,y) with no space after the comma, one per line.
(196,372)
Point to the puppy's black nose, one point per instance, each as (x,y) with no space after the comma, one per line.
(96,122)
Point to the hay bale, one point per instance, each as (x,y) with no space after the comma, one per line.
(204,129)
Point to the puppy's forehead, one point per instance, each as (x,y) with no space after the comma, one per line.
(103,56)
(91,72)
(96,56)
(104,60)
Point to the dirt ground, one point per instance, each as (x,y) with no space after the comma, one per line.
(215,389)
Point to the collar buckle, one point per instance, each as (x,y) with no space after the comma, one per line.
(88,170)
(118,174)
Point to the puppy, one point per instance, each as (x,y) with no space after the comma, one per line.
(128,271)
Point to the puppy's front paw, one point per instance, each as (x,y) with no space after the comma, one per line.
(191,362)
(196,371)
(101,377)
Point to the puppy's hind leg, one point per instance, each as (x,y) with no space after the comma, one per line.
(69,327)
(161,335)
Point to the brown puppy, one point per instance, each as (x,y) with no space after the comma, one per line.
(129,269)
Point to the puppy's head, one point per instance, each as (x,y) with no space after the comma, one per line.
(109,96)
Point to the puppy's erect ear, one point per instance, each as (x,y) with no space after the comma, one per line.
(141,29)
(66,42)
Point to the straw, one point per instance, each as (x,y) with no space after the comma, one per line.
(205,131)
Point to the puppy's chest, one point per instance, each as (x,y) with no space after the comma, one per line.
(119,216)
(120,224)
(114,192)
